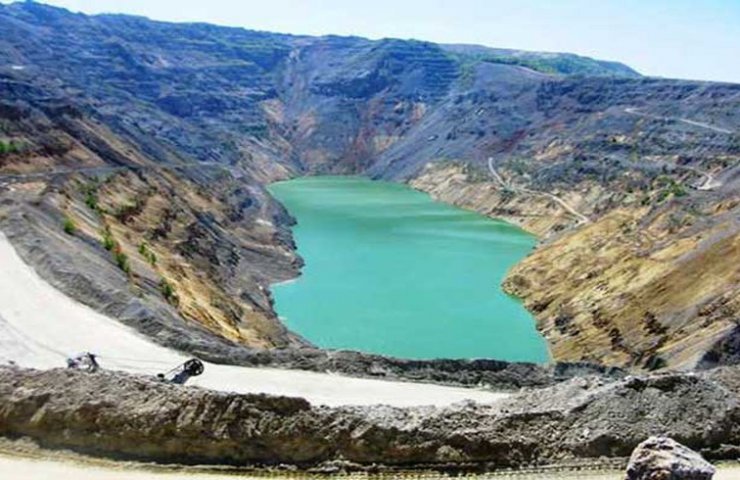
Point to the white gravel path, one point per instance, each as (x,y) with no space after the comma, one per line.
(37,469)
(40,327)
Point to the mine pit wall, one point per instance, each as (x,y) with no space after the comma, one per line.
(32,224)
(453,185)
(78,265)
(633,288)
(230,228)
(584,420)
(386,109)
(136,232)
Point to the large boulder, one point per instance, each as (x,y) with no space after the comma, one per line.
(662,458)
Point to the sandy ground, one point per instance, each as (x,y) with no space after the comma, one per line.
(38,469)
(40,327)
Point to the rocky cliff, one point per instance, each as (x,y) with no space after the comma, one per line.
(134,156)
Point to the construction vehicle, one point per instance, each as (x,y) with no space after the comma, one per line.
(86,361)
(182,373)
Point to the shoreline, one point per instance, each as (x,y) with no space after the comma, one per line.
(416,248)
(35,341)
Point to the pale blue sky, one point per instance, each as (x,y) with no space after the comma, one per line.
(696,39)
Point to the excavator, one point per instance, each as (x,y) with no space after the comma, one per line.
(182,373)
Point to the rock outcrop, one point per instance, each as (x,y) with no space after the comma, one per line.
(662,458)
(585,419)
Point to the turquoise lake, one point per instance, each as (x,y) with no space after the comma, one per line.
(390,271)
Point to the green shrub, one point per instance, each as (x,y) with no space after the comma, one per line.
(168,291)
(507,194)
(670,188)
(91,201)
(147,254)
(678,190)
(69,226)
(91,196)
(108,242)
(90,190)
(121,259)
(9,147)
(655,362)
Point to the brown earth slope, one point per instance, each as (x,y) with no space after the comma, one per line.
(167,246)
(649,285)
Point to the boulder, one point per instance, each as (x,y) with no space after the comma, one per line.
(662,458)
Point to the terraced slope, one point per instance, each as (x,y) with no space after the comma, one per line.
(164,135)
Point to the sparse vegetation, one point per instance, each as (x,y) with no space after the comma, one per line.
(121,259)
(476,174)
(678,220)
(124,213)
(91,196)
(669,187)
(8,147)
(147,253)
(108,242)
(567,64)
(69,226)
(507,194)
(517,165)
(256,130)
(168,291)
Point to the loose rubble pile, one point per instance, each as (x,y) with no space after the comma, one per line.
(585,419)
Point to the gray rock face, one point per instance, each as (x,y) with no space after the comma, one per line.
(662,458)
(582,420)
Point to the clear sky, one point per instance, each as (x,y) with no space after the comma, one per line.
(695,39)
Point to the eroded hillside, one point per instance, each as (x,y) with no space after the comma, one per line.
(166,245)
(638,213)
(162,137)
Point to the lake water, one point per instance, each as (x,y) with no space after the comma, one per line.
(390,271)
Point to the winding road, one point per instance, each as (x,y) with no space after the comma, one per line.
(635,111)
(710,183)
(582,219)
